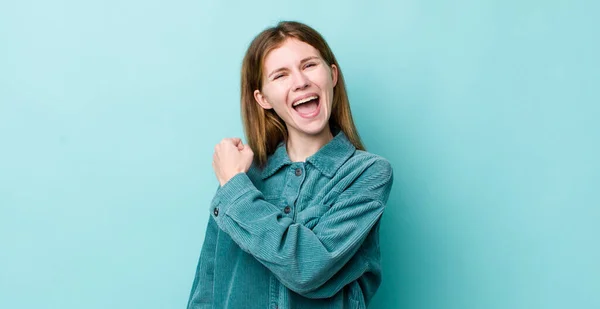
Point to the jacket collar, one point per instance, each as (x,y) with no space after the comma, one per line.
(327,160)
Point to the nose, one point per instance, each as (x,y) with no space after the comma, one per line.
(300,81)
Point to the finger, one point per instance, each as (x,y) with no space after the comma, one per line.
(234,140)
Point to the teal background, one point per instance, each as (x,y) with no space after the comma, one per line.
(488,111)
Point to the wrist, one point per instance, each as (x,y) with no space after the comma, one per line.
(227,179)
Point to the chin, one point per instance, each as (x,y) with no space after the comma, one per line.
(315,130)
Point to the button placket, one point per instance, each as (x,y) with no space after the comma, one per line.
(291,189)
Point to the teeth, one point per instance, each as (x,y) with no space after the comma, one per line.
(304,100)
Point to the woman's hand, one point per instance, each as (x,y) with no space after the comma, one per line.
(230,158)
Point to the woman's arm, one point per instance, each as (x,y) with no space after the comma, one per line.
(201,295)
(313,263)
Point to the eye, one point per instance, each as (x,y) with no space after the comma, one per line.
(310,64)
(278,76)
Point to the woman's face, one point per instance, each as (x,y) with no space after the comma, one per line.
(298,85)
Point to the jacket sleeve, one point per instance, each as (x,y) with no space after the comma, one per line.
(201,295)
(317,262)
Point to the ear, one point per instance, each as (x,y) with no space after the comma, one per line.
(334,74)
(261,100)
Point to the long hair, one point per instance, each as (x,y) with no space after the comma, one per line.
(264,129)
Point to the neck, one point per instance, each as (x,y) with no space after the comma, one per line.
(301,146)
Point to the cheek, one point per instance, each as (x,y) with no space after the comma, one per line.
(323,79)
(274,94)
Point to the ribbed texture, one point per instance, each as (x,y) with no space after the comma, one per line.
(316,255)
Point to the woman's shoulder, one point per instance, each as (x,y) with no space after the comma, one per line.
(369,159)
(366,174)
(363,165)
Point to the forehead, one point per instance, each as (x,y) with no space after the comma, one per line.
(290,52)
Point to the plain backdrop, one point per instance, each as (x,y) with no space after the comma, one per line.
(487,110)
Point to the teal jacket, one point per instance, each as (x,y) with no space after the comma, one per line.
(296,234)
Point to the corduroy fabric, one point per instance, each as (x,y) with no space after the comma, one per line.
(296,234)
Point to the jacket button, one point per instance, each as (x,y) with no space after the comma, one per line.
(298,171)
(287,209)
(216,211)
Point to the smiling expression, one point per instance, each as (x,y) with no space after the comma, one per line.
(298,85)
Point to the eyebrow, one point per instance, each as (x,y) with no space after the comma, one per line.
(301,62)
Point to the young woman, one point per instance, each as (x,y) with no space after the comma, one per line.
(295,221)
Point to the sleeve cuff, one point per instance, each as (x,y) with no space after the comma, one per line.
(230,192)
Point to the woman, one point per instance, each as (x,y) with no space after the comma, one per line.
(295,222)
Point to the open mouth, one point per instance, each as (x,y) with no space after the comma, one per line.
(307,107)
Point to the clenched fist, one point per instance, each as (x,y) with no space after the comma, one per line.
(230,158)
